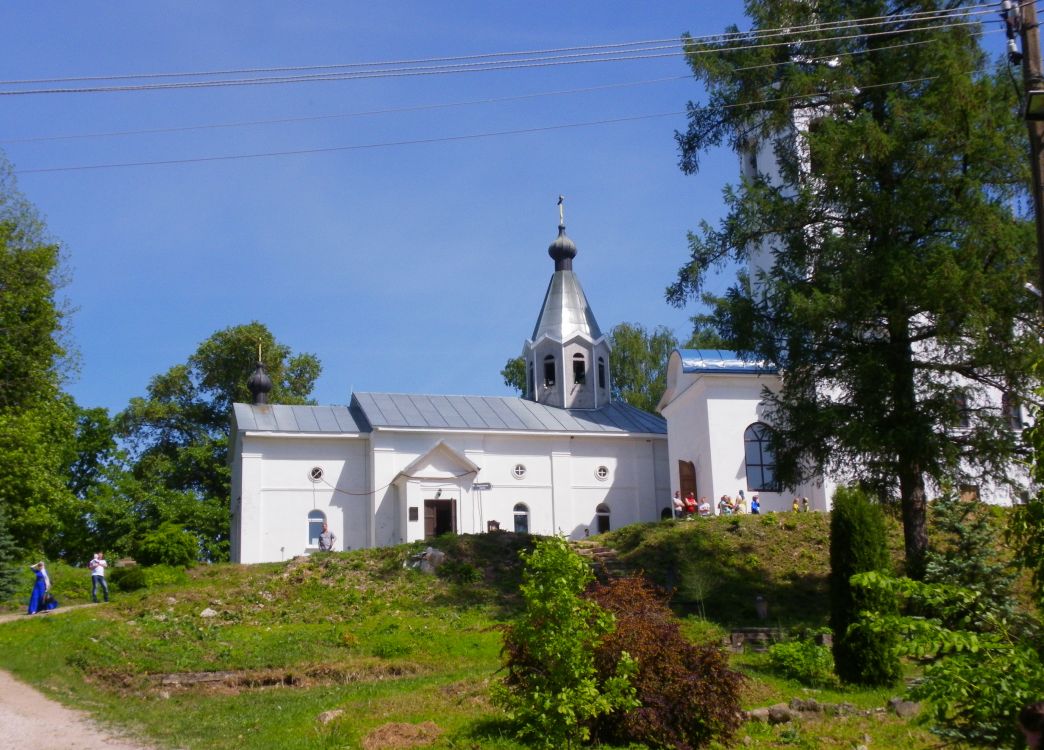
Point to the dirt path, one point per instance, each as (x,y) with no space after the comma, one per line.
(32,721)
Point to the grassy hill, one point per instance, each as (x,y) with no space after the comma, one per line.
(353,650)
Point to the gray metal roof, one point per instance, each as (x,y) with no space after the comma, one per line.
(412,411)
(282,418)
(405,410)
(719,361)
(565,310)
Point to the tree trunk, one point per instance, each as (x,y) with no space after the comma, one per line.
(915,511)
(909,442)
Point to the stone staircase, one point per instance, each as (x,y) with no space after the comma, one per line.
(604,562)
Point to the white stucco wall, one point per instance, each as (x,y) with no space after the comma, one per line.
(371,482)
(276,494)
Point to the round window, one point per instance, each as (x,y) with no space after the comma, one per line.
(602,473)
(315,473)
(519,471)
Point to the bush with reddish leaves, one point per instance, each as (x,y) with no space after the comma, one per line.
(688,694)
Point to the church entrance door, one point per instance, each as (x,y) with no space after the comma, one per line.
(440,517)
(687,478)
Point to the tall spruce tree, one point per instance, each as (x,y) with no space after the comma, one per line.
(896,222)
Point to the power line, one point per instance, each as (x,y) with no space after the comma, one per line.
(534,62)
(588,49)
(444,139)
(420,107)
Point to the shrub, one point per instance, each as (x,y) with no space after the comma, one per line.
(169,544)
(552,690)
(689,697)
(857,545)
(459,572)
(128,579)
(163,575)
(803,661)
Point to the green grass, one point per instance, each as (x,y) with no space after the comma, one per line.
(356,632)
(718,566)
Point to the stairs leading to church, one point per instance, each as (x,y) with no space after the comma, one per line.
(604,562)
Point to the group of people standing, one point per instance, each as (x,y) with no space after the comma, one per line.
(687,507)
(41,599)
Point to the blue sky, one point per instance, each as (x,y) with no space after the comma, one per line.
(412,268)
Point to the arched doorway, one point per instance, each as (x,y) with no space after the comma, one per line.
(602,518)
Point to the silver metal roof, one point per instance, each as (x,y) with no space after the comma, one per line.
(282,418)
(719,361)
(565,310)
(416,411)
(402,410)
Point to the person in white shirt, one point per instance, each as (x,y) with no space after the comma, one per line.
(97,566)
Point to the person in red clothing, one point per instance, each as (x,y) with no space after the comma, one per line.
(690,504)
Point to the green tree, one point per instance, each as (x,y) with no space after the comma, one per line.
(514,374)
(35,425)
(966,551)
(857,545)
(178,435)
(894,305)
(638,363)
(552,689)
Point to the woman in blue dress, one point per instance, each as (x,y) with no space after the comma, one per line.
(41,587)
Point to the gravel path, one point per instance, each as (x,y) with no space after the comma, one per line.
(29,720)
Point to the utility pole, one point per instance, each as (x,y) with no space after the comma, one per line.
(1033,80)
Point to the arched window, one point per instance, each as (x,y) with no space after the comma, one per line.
(579,369)
(316,519)
(521,519)
(601,372)
(1011,410)
(532,382)
(602,517)
(760,460)
(549,371)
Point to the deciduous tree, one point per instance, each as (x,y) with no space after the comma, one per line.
(178,434)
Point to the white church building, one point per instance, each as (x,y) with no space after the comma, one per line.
(390,468)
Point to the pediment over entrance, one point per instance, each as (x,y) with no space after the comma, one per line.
(441,461)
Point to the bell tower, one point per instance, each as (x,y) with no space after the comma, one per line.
(567,357)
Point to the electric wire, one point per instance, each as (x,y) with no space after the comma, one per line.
(425,107)
(443,139)
(685,46)
(709,39)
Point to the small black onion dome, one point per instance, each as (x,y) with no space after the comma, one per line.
(563,250)
(259,384)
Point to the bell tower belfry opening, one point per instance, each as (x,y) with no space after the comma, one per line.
(567,357)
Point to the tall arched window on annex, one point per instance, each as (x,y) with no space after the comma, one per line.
(316,519)
(602,518)
(521,518)
(1011,410)
(601,372)
(549,371)
(759,458)
(579,369)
